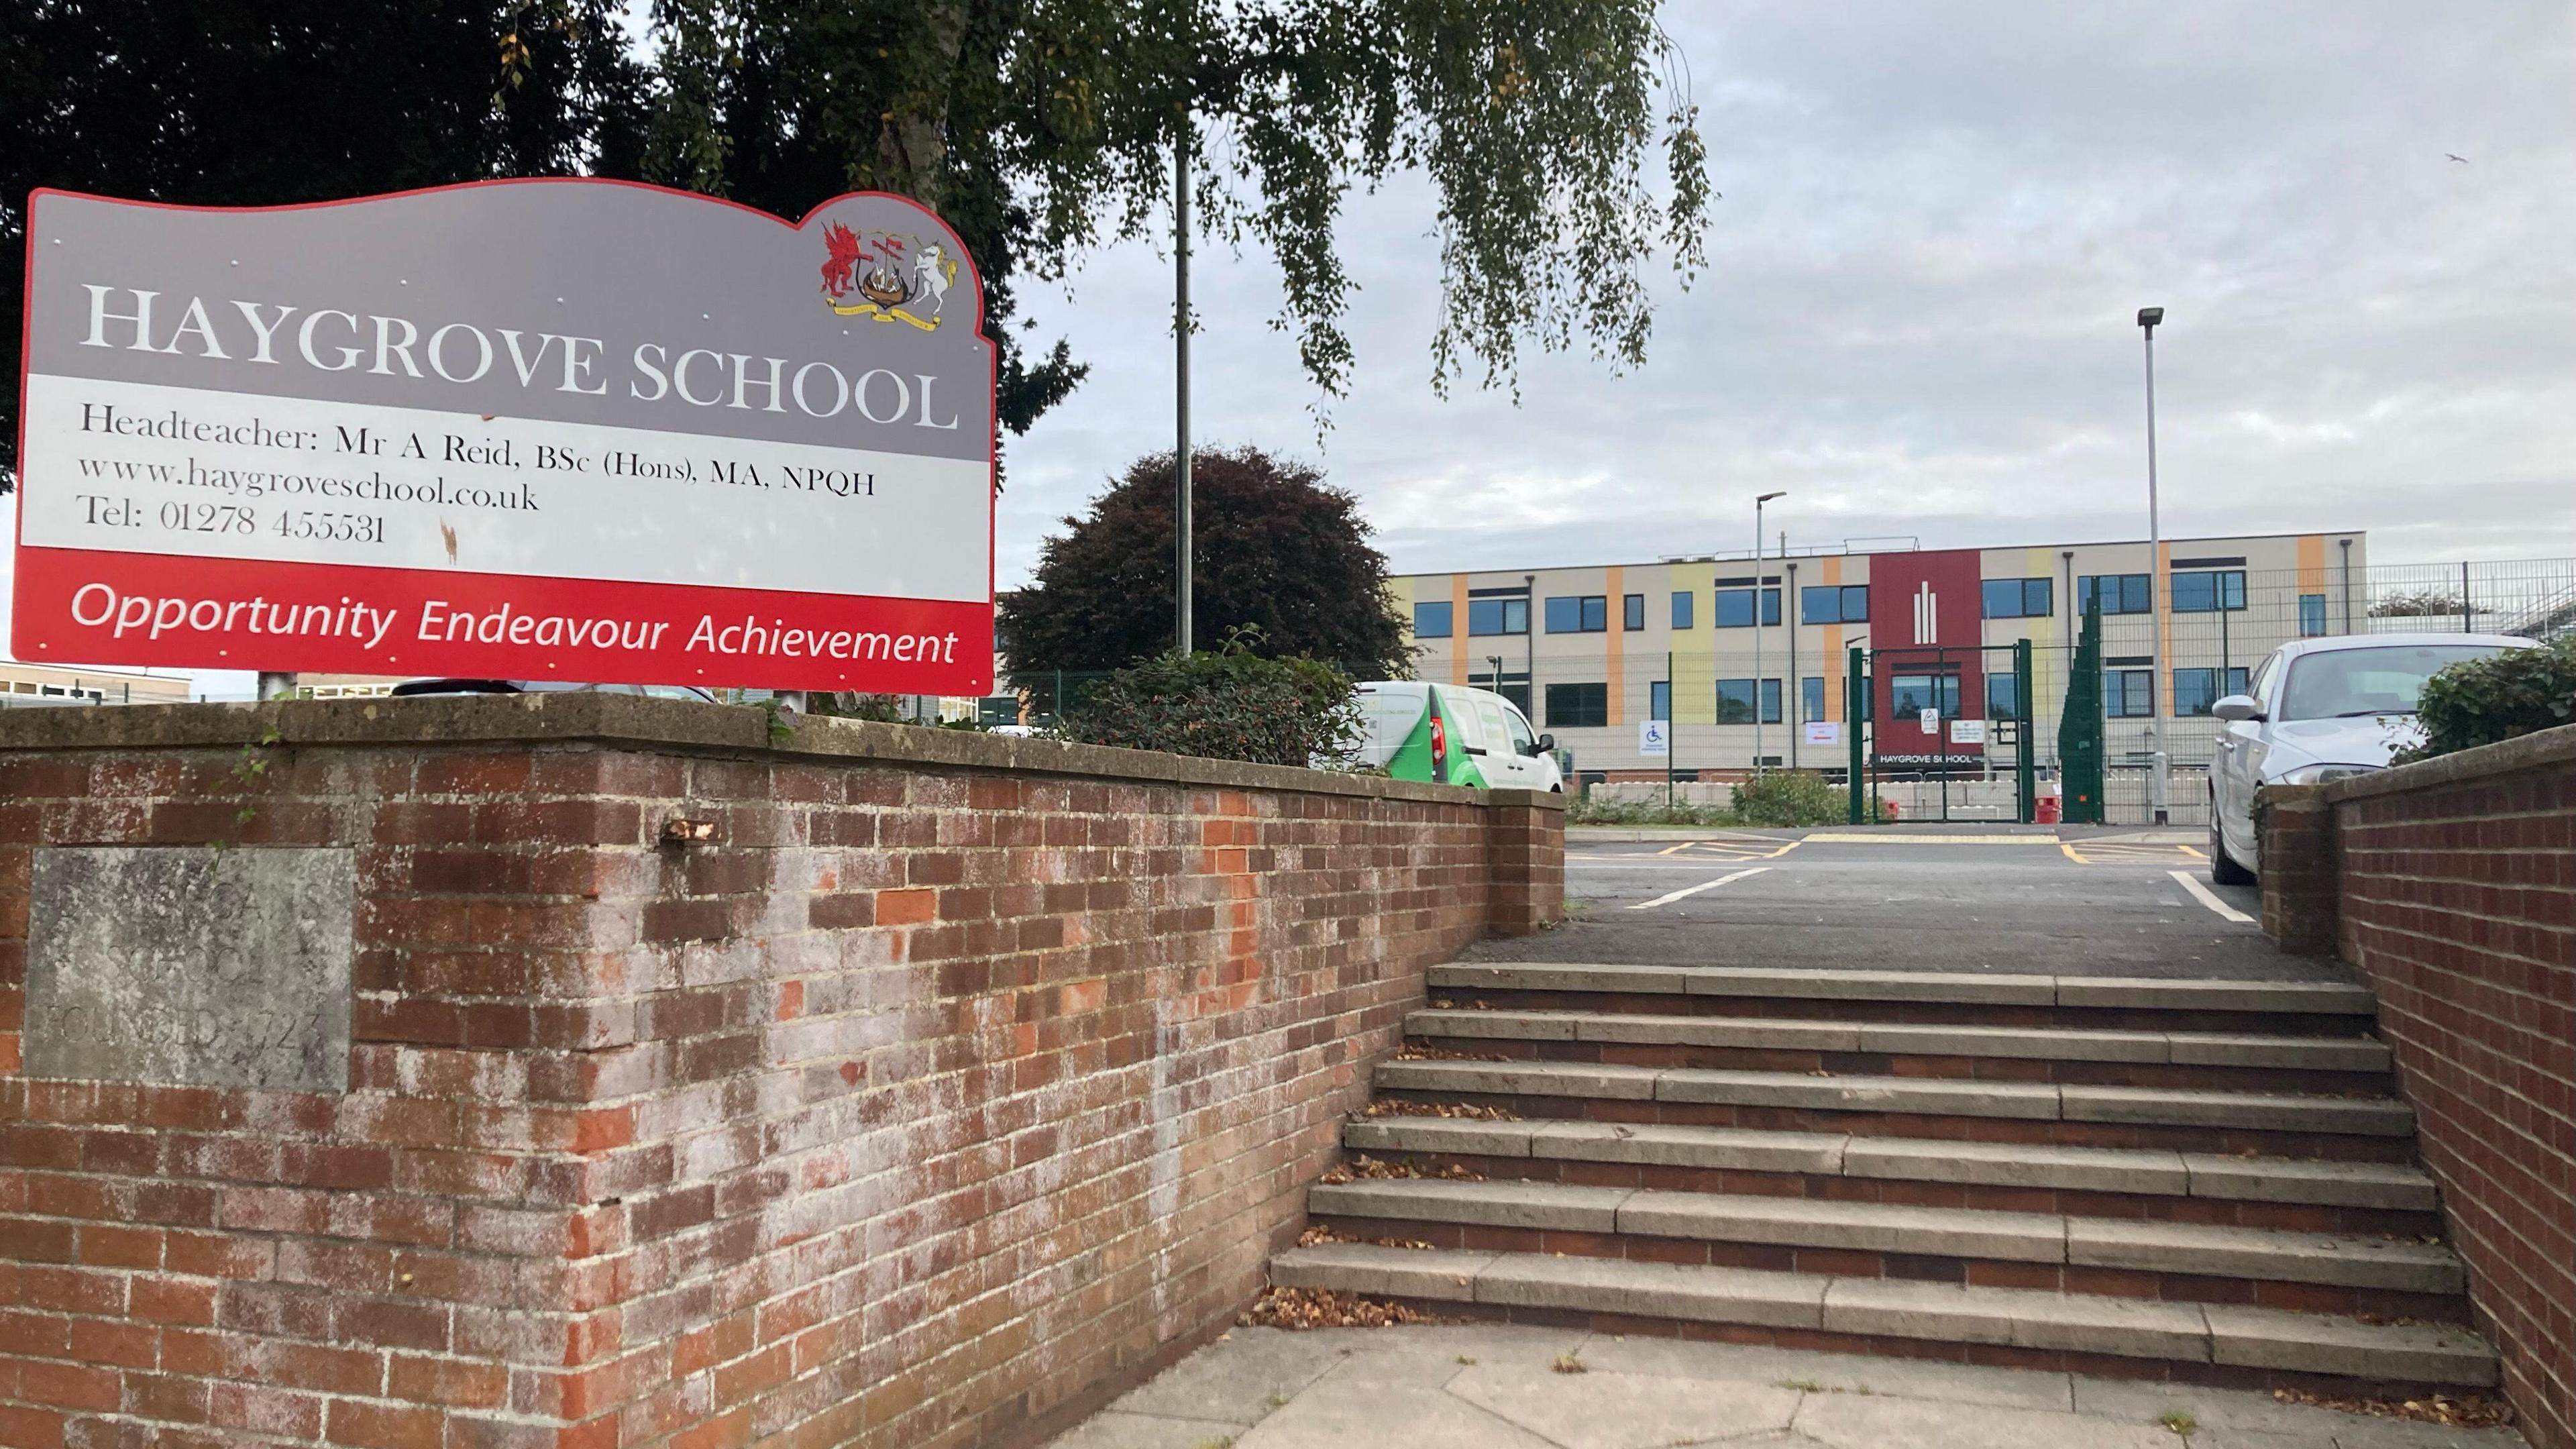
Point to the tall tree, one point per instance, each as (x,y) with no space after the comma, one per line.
(1040,128)
(217,102)
(1275,547)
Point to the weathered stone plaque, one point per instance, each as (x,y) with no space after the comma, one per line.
(182,966)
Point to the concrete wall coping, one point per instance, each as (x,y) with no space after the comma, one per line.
(2526,752)
(636,722)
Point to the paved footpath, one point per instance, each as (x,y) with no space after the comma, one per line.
(1479,1387)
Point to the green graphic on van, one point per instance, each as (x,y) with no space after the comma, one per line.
(1452,736)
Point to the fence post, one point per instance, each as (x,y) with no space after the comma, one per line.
(2025,769)
(1853,688)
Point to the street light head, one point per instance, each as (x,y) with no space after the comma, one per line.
(2148,317)
(1767,497)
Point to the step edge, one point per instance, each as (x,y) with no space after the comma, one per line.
(2456,1347)
(2262,1254)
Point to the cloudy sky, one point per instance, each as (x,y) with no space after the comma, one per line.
(1939,222)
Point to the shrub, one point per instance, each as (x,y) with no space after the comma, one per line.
(2481,701)
(1231,705)
(1779,797)
(1586,810)
(1790,797)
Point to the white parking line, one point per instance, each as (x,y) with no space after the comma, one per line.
(1706,885)
(2209,898)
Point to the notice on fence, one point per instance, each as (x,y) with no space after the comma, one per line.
(553,429)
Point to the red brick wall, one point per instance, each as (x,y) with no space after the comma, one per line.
(2456,898)
(954,1083)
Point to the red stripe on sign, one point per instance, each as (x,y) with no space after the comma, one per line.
(87,607)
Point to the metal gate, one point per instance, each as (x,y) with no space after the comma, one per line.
(1917,746)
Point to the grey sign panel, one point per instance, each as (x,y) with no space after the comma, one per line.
(185,966)
(578,301)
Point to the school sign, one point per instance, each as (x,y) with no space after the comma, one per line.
(547,429)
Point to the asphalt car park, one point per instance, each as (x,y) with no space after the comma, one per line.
(2067,899)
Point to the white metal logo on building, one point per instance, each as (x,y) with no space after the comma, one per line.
(1927,614)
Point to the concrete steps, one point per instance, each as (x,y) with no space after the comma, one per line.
(2212,1343)
(2109,1002)
(2182,1119)
(2118,1257)
(2360,1197)
(2202,1180)
(2232,1060)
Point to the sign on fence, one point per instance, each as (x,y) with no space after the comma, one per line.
(1654,737)
(1824,732)
(544,429)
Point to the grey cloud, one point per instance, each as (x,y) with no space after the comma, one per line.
(1938,221)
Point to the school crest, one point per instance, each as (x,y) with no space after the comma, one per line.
(890,276)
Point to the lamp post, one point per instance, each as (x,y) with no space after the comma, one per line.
(1757,622)
(1181,623)
(2157,760)
(1529,643)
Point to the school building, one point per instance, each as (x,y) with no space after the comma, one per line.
(1590,653)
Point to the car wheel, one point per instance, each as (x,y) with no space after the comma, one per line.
(2223,867)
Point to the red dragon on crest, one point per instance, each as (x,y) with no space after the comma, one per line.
(846,252)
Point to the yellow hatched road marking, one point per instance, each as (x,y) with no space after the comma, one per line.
(1854,837)
(2118,853)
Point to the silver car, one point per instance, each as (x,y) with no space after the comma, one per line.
(2319,710)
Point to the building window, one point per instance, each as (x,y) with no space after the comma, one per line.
(1431,621)
(2003,696)
(2312,615)
(1659,700)
(1518,694)
(1578,614)
(1632,610)
(1497,616)
(2195,690)
(1915,693)
(1735,701)
(1682,608)
(2020,598)
(2128,693)
(2115,593)
(1735,608)
(2209,591)
(1834,604)
(1811,697)
(1578,706)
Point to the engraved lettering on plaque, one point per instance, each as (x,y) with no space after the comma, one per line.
(183,966)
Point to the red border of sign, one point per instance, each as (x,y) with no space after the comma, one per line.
(980,679)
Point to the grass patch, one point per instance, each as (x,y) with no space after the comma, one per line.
(2178,1421)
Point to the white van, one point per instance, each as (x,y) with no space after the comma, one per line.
(1450,734)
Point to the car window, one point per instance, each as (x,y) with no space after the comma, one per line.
(2382,679)
(2262,677)
(1496,736)
(1522,740)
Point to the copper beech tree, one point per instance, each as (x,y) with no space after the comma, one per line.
(1276,549)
